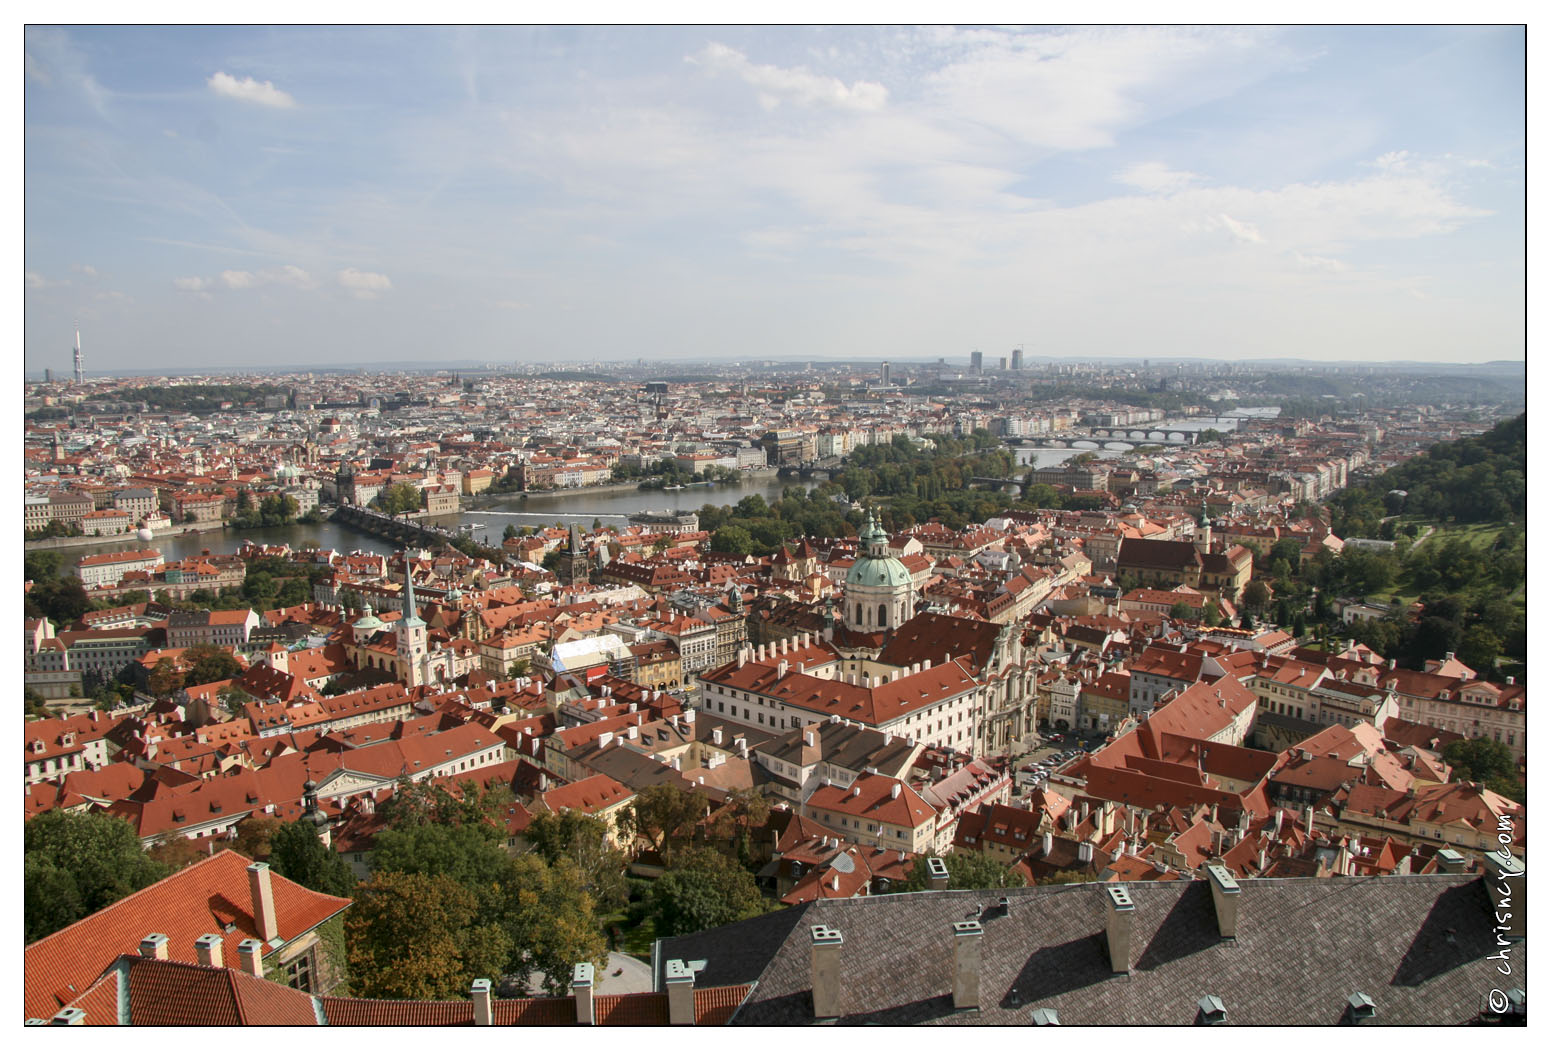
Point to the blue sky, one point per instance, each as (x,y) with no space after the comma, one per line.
(230,196)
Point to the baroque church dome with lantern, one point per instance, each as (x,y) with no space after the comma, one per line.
(879,596)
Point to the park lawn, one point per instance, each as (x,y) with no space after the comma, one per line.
(1479,535)
(635,935)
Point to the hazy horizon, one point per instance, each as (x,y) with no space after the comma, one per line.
(221,198)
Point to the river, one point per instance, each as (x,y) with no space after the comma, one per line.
(611,507)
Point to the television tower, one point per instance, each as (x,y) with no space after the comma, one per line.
(78,376)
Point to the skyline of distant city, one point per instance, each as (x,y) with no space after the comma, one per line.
(214,198)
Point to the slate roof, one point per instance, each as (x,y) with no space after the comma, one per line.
(1415,944)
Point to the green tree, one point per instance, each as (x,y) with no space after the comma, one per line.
(1256,595)
(298,854)
(1179,611)
(550,920)
(1479,759)
(584,841)
(665,816)
(744,810)
(469,853)
(78,863)
(733,540)
(209,664)
(253,836)
(165,679)
(510,532)
(36,705)
(1479,649)
(411,936)
(519,667)
(702,889)
(399,498)
(967,870)
(176,852)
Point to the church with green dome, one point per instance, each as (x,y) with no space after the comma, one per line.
(879,596)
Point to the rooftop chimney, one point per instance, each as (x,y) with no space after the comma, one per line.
(1359,1008)
(680,981)
(251,952)
(263,901)
(479,992)
(1210,1011)
(966,964)
(1044,1016)
(69,1016)
(1117,928)
(1048,844)
(581,990)
(154,947)
(1308,821)
(824,962)
(716,736)
(936,874)
(1450,860)
(208,946)
(1225,899)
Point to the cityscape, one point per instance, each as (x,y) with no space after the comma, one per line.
(526,675)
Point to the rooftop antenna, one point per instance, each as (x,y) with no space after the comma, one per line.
(79,376)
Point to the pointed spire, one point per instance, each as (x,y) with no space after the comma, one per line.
(410,616)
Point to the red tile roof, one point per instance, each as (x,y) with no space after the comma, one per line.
(169,993)
(200,899)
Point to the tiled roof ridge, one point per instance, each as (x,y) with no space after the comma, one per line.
(143,890)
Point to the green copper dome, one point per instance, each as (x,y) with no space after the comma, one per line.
(874,566)
(877,573)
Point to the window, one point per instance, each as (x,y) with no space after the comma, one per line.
(298,973)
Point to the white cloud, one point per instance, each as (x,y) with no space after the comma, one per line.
(36,280)
(84,269)
(35,69)
(1319,262)
(797,85)
(1156,177)
(363,283)
(115,296)
(241,280)
(263,93)
(1242,231)
(294,276)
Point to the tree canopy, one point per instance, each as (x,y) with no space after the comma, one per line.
(583,840)
(665,816)
(967,870)
(298,854)
(412,936)
(703,889)
(75,864)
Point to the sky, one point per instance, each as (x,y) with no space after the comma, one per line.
(227,196)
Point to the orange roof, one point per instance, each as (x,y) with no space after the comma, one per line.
(589,795)
(201,899)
